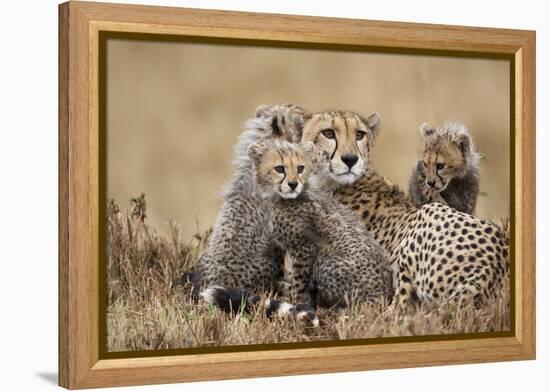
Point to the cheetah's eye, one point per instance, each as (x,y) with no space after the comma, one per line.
(328,133)
(300,169)
(280,169)
(360,135)
(440,166)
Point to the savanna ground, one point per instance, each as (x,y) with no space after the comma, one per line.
(149,308)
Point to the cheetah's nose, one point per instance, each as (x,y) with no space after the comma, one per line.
(431,183)
(350,160)
(293,185)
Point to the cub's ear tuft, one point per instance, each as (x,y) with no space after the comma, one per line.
(463,141)
(297,116)
(374,123)
(256,151)
(263,111)
(426,130)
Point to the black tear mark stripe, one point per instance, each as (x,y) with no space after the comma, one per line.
(335,148)
(436,170)
(359,149)
(283,163)
(359,152)
(335,139)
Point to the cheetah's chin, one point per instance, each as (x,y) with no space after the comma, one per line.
(288,196)
(344,179)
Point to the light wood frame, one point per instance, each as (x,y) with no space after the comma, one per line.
(80,23)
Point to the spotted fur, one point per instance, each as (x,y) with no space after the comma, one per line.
(334,258)
(436,252)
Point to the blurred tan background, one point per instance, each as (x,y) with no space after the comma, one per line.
(175,111)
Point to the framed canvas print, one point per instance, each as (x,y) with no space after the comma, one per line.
(247,195)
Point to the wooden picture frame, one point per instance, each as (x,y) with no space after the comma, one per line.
(81,24)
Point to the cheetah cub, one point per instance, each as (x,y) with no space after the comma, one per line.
(240,252)
(334,258)
(448,170)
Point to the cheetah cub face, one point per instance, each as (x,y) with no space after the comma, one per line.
(448,153)
(281,168)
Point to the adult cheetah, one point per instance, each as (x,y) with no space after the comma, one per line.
(436,252)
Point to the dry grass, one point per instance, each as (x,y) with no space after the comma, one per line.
(148,308)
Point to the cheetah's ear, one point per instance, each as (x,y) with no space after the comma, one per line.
(426,130)
(263,111)
(256,151)
(373,122)
(463,142)
(298,116)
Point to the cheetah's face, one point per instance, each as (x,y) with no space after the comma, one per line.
(281,168)
(444,157)
(347,138)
